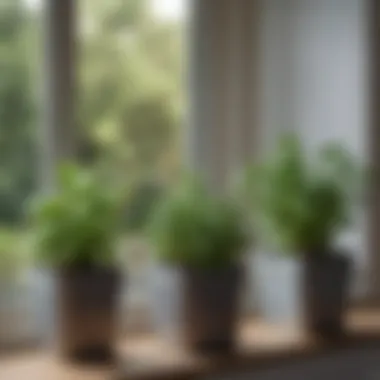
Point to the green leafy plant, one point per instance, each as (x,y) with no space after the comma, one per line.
(300,201)
(193,228)
(78,225)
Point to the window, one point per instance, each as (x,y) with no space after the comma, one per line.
(128,112)
(130,109)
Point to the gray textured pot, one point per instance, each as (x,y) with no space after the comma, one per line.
(88,313)
(326,293)
(197,307)
(312,292)
(211,308)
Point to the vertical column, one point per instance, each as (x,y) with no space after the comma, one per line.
(278,77)
(58,129)
(245,61)
(222,101)
(373,13)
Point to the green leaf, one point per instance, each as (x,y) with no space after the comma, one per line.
(78,224)
(299,202)
(193,227)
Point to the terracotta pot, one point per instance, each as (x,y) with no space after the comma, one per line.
(211,308)
(88,306)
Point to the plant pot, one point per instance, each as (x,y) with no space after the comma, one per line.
(197,307)
(88,312)
(312,292)
(211,308)
(326,294)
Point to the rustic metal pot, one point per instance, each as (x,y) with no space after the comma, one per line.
(88,312)
(211,308)
(326,294)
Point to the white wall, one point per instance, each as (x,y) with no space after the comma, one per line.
(314,78)
(330,71)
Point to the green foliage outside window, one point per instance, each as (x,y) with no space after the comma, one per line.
(129,99)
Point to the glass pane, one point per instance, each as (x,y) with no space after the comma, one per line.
(20,62)
(130,110)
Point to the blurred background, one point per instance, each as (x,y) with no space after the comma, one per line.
(116,87)
(129,107)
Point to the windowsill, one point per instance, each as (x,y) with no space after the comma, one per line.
(148,358)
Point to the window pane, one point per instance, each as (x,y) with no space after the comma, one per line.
(130,109)
(18,108)
(20,62)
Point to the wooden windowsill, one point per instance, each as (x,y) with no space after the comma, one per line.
(149,358)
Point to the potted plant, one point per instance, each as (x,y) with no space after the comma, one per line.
(76,229)
(301,202)
(203,237)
